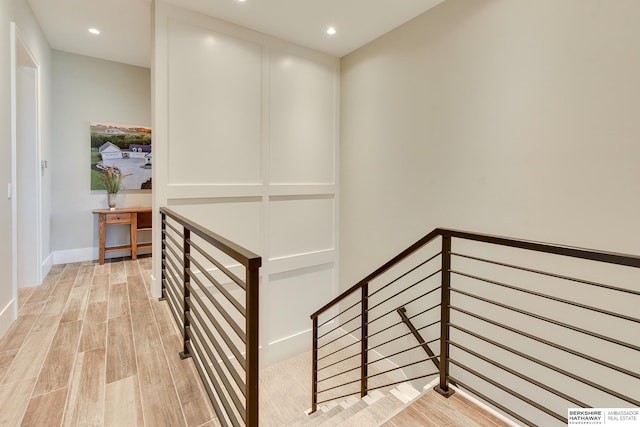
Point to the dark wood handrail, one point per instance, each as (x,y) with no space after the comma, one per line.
(402,255)
(551,248)
(570,251)
(237,252)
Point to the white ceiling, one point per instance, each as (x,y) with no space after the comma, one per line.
(125,24)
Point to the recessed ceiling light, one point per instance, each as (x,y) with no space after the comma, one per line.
(331,31)
(241,1)
(94,31)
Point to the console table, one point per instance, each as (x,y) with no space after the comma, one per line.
(139,219)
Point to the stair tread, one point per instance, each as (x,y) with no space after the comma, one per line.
(374,414)
(345,414)
(408,390)
(373,397)
(405,392)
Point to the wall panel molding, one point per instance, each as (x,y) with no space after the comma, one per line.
(281,200)
(207,191)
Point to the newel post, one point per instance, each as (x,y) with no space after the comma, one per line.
(445,312)
(163,224)
(252,328)
(364,342)
(186,310)
(314,366)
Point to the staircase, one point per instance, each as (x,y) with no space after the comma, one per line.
(529,329)
(284,389)
(371,410)
(284,399)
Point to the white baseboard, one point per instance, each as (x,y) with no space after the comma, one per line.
(284,348)
(386,364)
(46,265)
(484,406)
(7,316)
(156,289)
(85,254)
(382,362)
(74,255)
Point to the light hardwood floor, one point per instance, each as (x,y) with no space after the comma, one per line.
(434,410)
(90,347)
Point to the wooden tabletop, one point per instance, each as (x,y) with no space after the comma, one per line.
(121,210)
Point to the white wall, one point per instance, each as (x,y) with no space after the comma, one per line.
(511,118)
(7,291)
(19,12)
(88,89)
(246,143)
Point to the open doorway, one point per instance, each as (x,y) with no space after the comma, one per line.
(27,227)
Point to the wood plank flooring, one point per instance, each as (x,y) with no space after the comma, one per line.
(92,348)
(434,410)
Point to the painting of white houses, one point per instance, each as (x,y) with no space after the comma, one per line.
(127,149)
(109,151)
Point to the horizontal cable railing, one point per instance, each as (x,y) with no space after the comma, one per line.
(363,343)
(532,329)
(211,286)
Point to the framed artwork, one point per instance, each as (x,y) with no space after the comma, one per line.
(127,149)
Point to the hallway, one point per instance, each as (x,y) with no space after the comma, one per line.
(90,347)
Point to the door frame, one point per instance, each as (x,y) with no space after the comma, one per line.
(21,55)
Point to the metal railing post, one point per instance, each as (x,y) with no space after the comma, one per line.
(445,312)
(186,294)
(252,325)
(364,342)
(163,218)
(314,366)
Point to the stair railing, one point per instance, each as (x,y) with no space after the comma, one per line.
(341,367)
(531,329)
(211,286)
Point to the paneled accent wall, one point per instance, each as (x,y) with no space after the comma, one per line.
(246,143)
